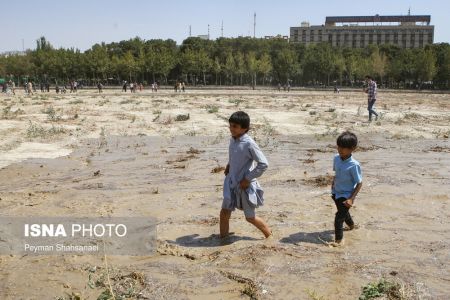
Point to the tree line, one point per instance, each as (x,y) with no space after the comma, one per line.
(231,61)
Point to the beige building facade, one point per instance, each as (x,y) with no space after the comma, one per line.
(359,32)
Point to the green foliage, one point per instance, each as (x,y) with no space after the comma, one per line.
(231,61)
(379,289)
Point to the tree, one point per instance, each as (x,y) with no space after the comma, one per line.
(244,58)
(442,53)
(98,61)
(203,63)
(425,65)
(128,64)
(252,67)
(217,68)
(264,66)
(319,63)
(285,64)
(339,65)
(379,63)
(230,67)
(240,65)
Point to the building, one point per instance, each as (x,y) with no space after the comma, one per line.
(276,37)
(12,53)
(410,31)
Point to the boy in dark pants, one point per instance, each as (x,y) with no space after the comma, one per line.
(346,184)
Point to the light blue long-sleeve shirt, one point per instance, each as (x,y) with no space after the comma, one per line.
(243,154)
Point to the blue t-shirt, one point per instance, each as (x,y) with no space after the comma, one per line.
(347,176)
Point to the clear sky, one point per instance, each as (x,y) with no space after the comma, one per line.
(82,23)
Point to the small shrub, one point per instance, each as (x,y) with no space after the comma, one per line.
(212,109)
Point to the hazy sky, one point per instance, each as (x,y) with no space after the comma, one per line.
(82,23)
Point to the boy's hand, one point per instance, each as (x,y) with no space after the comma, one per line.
(348,203)
(244,184)
(227,170)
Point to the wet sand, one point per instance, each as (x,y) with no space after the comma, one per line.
(120,154)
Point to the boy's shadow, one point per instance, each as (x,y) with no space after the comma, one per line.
(309,237)
(194,240)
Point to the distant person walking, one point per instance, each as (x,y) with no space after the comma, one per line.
(30,88)
(371,91)
(100,87)
(13,87)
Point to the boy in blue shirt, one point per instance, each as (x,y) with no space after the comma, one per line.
(346,184)
(240,188)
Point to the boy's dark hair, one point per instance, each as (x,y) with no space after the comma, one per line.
(241,118)
(369,77)
(347,140)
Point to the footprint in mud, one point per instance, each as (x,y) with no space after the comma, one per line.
(165,248)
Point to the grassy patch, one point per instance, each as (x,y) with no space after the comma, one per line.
(77,101)
(51,114)
(36,130)
(8,113)
(212,109)
(236,101)
(388,289)
(128,101)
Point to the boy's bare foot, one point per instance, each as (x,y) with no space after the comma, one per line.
(337,243)
(226,240)
(353,227)
(270,236)
(227,235)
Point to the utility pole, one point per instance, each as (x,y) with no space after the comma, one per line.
(189,30)
(208,31)
(222,29)
(254,25)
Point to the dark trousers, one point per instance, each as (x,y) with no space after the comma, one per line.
(370,105)
(342,215)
